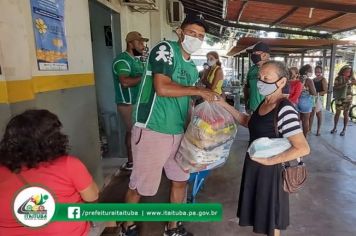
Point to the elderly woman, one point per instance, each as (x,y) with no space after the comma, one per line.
(263,203)
(34,151)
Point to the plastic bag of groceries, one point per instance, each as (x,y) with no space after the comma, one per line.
(266,147)
(207,141)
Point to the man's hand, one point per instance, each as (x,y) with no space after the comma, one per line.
(208,95)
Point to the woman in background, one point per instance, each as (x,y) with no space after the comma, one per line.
(214,76)
(306,99)
(321,87)
(343,96)
(295,86)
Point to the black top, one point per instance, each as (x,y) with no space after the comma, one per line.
(318,85)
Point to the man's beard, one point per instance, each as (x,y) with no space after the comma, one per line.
(136,53)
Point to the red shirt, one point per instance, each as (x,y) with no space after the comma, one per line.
(295,89)
(64,177)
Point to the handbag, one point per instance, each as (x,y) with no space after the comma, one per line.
(294,176)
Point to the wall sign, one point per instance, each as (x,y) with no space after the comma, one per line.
(50,41)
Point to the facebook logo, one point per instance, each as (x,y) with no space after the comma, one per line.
(73,212)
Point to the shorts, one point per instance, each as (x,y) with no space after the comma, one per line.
(305,104)
(152,152)
(342,104)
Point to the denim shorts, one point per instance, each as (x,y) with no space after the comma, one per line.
(305,104)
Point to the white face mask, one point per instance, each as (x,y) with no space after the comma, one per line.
(211,62)
(266,89)
(191,44)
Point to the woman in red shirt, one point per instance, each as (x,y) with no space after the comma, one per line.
(34,151)
(295,85)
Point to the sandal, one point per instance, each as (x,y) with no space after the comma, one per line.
(342,133)
(333,131)
(111,231)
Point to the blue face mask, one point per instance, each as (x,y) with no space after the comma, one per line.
(265,88)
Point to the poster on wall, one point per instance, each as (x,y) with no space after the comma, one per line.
(50,40)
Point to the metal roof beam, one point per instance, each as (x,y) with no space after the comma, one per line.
(207,4)
(199,8)
(347,8)
(285,16)
(344,30)
(256,27)
(301,46)
(334,17)
(244,5)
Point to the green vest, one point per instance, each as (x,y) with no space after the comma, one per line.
(126,65)
(255,98)
(165,114)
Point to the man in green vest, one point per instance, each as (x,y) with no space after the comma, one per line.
(161,116)
(260,53)
(127,70)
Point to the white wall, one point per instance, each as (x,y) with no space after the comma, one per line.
(14,42)
(18,44)
(153,25)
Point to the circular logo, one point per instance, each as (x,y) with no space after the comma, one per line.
(34,206)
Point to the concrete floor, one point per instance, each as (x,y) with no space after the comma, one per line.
(325,206)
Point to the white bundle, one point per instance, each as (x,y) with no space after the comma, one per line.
(266,147)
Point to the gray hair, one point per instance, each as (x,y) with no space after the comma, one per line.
(282,70)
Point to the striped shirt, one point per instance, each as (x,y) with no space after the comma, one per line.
(288,120)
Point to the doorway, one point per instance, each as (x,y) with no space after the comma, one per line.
(106,44)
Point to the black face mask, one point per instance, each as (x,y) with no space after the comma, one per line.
(255,58)
(136,53)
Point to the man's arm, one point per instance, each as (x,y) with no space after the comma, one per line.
(127,81)
(246,94)
(165,87)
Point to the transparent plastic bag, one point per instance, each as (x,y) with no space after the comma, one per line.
(207,141)
(266,147)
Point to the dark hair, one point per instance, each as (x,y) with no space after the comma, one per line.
(295,69)
(342,70)
(192,19)
(216,56)
(318,67)
(31,138)
(304,70)
(281,67)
